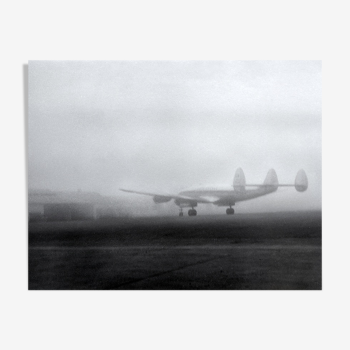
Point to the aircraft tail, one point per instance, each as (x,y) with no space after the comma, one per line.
(239,180)
(271,179)
(301,181)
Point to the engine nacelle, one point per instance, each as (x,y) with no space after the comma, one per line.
(161,199)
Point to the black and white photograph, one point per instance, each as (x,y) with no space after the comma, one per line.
(174,175)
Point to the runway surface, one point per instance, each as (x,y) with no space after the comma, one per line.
(244,251)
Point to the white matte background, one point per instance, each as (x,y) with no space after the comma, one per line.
(173,320)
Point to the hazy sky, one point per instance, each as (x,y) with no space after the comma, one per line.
(167,125)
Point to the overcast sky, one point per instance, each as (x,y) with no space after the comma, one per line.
(168,125)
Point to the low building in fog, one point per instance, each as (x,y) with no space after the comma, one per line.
(69,211)
(65,206)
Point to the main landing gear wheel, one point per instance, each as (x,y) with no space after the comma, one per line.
(230,211)
(192,212)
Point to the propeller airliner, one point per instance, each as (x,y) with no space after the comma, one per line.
(241,191)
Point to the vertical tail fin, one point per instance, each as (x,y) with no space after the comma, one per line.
(301,182)
(271,179)
(239,180)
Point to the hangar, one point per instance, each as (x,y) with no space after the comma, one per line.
(69,211)
(45,205)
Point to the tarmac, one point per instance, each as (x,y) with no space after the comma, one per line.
(268,251)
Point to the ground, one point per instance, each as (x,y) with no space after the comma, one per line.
(243,251)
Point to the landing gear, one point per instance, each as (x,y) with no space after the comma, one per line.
(230,211)
(192,212)
(181,203)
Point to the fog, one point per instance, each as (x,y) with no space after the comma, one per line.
(167,125)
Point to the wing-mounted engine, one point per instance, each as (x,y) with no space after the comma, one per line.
(161,199)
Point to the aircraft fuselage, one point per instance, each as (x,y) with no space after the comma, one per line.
(226,197)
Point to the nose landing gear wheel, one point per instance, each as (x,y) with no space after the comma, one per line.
(192,212)
(230,211)
(181,213)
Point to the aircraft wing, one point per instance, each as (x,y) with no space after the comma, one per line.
(164,195)
(168,196)
(265,185)
(147,193)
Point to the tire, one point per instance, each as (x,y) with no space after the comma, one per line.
(230,211)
